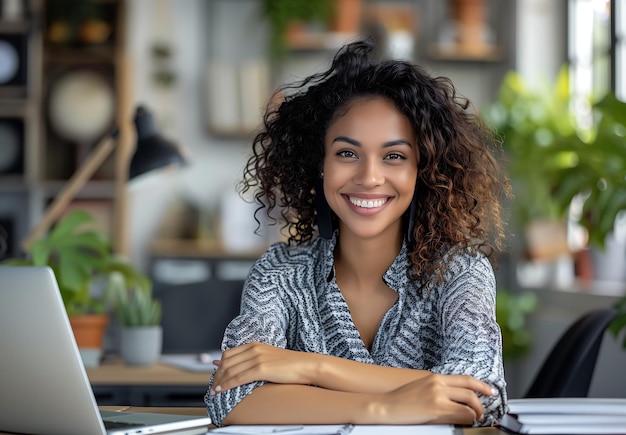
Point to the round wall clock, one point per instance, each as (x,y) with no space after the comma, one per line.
(9,62)
(81,105)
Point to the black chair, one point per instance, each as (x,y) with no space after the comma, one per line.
(568,368)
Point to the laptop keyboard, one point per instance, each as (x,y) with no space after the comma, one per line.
(120,424)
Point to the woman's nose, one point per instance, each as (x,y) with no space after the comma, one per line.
(369,174)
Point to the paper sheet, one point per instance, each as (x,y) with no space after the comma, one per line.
(338,430)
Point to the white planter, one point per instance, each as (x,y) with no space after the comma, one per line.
(609,265)
(141,345)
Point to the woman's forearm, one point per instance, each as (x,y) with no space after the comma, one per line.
(351,376)
(261,362)
(432,399)
(298,404)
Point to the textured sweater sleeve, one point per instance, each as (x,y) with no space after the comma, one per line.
(472,338)
(263,318)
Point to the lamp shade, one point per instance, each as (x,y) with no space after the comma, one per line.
(152,150)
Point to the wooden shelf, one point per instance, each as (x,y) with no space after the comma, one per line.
(484,54)
(13,184)
(197,248)
(96,189)
(80,55)
(318,41)
(15,26)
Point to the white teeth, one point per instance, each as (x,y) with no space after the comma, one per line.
(366,203)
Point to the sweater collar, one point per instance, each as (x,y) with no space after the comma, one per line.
(395,277)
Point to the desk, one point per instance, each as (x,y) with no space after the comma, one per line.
(157,385)
(202,411)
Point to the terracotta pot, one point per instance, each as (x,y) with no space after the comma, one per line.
(470,18)
(347,16)
(89,329)
(89,333)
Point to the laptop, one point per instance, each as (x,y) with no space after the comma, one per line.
(44,387)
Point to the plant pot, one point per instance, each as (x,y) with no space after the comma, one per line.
(609,264)
(347,16)
(89,330)
(141,345)
(469,16)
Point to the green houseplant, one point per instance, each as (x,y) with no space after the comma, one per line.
(596,169)
(139,317)
(533,123)
(598,173)
(85,268)
(555,158)
(282,13)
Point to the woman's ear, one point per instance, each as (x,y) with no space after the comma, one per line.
(322,210)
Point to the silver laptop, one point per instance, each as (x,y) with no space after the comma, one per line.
(44,388)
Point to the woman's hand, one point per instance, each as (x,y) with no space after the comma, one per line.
(261,362)
(434,399)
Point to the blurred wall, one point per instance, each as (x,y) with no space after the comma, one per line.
(198,31)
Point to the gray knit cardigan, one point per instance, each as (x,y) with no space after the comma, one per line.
(291,300)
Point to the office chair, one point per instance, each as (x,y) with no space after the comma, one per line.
(568,368)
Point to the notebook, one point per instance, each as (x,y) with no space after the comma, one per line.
(566,415)
(44,387)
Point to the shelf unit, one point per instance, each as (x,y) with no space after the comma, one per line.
(65,42)
(20,96)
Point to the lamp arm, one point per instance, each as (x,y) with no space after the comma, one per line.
(70,189)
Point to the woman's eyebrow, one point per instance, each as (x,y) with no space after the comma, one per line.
(356,143)
(351,141)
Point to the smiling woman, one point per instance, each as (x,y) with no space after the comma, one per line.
(381,306)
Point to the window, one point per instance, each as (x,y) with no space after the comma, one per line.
(597,50)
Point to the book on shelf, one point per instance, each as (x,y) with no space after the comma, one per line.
(546,416)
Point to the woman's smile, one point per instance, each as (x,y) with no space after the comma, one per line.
(367,205)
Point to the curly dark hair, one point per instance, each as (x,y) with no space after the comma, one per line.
(461,180)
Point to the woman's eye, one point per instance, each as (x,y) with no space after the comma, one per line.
(394,156)
(346,153)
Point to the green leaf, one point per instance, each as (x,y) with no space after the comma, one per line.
(79,255)
(70,223)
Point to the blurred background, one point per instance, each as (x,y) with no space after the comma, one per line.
(548,75)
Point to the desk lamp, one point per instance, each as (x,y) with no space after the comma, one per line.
(152,151)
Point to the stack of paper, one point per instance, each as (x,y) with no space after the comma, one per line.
(566,416)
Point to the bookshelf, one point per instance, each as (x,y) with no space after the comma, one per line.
(69,93)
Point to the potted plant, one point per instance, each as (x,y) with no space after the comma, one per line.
(84,264)
(282,14)
(532,124)
(595,168)
(596,174)
(139,317)
(555,159)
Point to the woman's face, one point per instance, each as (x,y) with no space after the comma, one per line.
(370,168)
